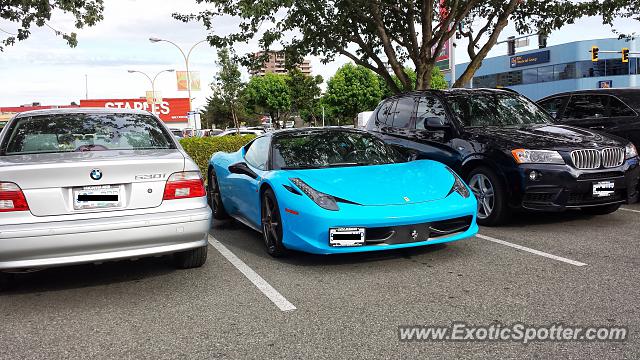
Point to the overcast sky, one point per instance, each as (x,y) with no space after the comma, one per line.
(44,69)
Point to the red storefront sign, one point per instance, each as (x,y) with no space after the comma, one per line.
(169,110)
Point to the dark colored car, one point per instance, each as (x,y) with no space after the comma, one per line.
(614,111)
(510,152)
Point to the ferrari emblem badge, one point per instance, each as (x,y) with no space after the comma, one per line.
(414,235)
(407,199)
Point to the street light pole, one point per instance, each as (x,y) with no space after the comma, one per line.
(186,57)
(153,85)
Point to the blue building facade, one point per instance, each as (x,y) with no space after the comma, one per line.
(566,67)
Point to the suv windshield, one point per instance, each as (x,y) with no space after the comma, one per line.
(322,149)
(85,132)
(496,109)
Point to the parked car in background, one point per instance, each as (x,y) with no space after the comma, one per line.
(334,190)
(614,111)
(2,124)
(91,185)
(242,131)
(177,133)
(510,152)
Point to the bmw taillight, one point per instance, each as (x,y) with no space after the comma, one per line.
(12,198)
(184,185)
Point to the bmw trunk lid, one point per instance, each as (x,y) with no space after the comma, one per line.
(48,181)
(376,185)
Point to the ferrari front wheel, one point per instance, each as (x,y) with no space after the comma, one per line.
(272,225)
(215,198)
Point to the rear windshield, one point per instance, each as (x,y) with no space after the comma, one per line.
(85,132)
(324,149)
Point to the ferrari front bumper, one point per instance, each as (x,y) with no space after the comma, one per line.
(407,226)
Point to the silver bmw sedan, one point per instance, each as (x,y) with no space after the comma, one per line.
(92,185)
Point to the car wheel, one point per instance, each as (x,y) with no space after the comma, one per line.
(190,259)
(491,196)
(601,210)
(6,281)
(272,225)
(215,198)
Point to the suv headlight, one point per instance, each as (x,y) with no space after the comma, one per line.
(323,200)
(525,156)
(630,151)
(458,185)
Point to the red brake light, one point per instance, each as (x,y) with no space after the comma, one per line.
(12,198)
(184,185)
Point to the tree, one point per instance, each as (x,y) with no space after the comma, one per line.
(26,13)
(438,81)
(353,89)
(269,94)
(380,33)
(305,94)
(228,84)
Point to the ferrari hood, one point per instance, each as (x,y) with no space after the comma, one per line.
(375,185)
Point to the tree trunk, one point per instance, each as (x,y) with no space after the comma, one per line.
(423,77)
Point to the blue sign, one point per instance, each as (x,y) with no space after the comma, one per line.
(605,84)
(530,59)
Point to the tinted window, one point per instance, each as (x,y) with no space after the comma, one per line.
(586,107)
(385,114)
(322,149)
(497,109)
(86,132)
(553,106)
(618,108)
(403,113)
(258,153)
(429,107)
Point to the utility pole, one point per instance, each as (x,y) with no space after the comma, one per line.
(86,87)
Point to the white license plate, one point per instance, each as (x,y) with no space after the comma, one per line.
(603,189)
(96,197)
(346,236)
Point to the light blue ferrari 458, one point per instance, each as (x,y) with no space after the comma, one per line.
(336,190)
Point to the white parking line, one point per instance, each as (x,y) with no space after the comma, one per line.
(630,210)
(257,280)
(533,251)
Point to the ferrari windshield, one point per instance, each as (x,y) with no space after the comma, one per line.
(85,132)
(332,148)
(496,109)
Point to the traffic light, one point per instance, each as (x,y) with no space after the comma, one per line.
(594,53)
(625,55)
(511,45)
(542,41)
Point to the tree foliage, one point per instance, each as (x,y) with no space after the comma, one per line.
(269,94)
(26,13)
(228,84)
(380,33)
(305,94)
(353,89)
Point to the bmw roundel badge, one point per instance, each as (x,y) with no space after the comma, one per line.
(96,174)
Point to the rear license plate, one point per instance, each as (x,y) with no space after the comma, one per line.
(603,189)
(346,236)
(96,197)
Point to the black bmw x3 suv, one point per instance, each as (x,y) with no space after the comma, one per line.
(510,152)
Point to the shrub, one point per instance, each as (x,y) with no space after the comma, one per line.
(201,149)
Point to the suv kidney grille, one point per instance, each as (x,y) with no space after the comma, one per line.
(590,159)
(612,157)
(586,159)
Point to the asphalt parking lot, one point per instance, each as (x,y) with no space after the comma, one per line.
(540,269)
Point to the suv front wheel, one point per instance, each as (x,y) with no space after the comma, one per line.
(491,195)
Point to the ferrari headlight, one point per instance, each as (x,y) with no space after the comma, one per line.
(630,151)
(524,156)
(323,200)
(458,185)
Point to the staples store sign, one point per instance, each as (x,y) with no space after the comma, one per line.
(169,110)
